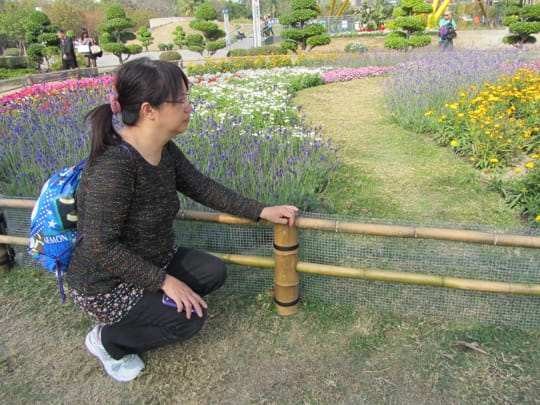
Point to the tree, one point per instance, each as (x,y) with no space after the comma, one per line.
(41,35)
(13,18)
(115,34)
(523,23)
(179,36)
(374,15)
(188,7)
(409,24)
(145,37)
(65,15)
(210,30)
(301,32)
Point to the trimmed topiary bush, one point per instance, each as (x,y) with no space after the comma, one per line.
(355,47)
(170,56)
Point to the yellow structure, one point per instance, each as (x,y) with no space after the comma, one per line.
(333,6)
(434,17)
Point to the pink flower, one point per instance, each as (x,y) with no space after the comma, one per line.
(343,75)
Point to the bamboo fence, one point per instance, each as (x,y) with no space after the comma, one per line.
(286,265)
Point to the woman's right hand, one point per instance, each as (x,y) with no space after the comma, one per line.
(184,297)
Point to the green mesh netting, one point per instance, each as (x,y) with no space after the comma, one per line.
(443,258)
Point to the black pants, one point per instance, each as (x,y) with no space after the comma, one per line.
(150,324)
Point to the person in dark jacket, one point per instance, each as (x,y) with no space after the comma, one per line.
(126,204)
(69,60)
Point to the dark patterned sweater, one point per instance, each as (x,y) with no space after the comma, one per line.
(126,208)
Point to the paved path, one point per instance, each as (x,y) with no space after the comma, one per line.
(187,56)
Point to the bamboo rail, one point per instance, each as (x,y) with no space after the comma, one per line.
(457,235)
(393,276)
(364,274)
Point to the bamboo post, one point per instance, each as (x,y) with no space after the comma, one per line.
(286,285)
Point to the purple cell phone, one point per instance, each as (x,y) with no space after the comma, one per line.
(170,303)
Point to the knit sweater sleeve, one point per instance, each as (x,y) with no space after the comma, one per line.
(199,187)
(108,194)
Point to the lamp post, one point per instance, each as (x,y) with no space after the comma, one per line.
(256,13)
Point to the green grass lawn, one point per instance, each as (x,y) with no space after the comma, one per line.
(392,173)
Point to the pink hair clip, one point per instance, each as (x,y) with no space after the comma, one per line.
(116,108)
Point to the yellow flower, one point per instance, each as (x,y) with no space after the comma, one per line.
(518,170)
(535,156)
(529,165)
(461,115)
(454,143)
(427,113)
(494,160)
(472,159)
(538,218)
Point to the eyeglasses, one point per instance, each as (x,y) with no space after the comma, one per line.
(447,15)
(184,101)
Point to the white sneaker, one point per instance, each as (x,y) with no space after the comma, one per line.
(123,370)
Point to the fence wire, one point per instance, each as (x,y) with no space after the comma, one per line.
(434,257)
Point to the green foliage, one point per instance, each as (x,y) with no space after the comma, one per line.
(145,37)
(12,52)
(355,47)
(509,20)
(179,36)
(259,50)
(165,47)
(116,34)
(35,53)
(210,30)
(38,18)
(410,24)
(133,49)
(195,42)
(211,33)
(304,4)
(523,23)
(15,71)
(417,41)
(304,81)
(524,194)
(525,28)
(39,29)
(290,46)
(531,12)
(317,40)
(396,42)
(115,11)
(374,14)
(13,62)
(399,12)
(170,56)
(236,64)
(304,36)
(313,29)
(410,18)
(205,12)
(212,47)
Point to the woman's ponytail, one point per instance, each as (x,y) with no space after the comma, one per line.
(103,132)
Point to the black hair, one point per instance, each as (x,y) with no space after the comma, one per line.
(138,81)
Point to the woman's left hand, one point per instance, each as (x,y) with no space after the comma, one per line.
(280,214)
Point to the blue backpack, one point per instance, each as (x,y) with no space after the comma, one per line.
(53,226)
